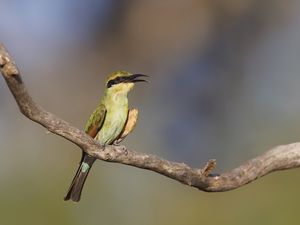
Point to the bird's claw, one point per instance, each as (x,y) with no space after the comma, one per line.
(117,142)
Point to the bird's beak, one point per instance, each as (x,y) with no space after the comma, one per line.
(135,78)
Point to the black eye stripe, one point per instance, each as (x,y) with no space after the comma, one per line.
(117,80)
(110,83)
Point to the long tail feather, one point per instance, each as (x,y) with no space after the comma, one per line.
(77,184)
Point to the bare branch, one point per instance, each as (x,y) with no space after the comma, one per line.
(279,158)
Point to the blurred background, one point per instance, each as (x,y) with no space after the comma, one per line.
(224,84)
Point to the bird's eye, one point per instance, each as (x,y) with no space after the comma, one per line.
(117,80)
(110,83)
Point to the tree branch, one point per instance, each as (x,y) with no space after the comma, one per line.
(279,158)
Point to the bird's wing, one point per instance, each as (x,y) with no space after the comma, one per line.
(95,121)
(129,125)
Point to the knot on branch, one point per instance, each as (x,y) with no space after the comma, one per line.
(7,65)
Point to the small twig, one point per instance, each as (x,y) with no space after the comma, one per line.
(209,167)
(278,158)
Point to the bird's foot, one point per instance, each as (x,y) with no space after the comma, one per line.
(117,142)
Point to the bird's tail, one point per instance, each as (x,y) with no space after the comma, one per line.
(77,184)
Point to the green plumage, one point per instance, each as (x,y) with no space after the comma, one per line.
(105,124)
(116,115)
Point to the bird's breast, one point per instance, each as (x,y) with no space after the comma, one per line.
(115,119)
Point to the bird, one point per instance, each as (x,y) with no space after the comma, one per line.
(110,123)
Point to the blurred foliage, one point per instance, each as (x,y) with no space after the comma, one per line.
(224,76)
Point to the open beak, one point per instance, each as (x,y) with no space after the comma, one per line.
(135,78)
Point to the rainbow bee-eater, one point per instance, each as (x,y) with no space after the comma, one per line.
(110,123)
